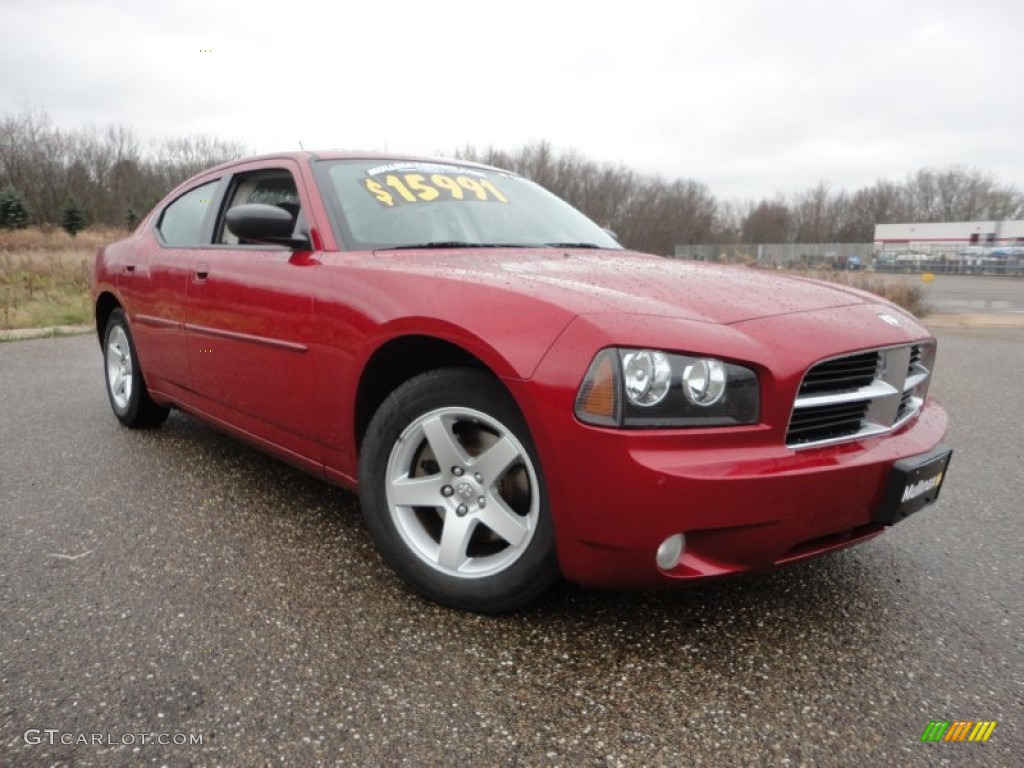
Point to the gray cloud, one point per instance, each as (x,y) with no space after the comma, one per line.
(747,97)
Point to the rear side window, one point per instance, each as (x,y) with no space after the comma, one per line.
(182,221)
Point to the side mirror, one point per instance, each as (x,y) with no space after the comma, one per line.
(262,223)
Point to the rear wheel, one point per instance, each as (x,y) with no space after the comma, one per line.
(125,386)
(453,493)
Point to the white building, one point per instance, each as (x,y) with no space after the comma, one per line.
(947,237)
(953,247)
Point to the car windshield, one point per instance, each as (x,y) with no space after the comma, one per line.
(382,204)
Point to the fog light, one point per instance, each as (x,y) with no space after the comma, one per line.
(671,552)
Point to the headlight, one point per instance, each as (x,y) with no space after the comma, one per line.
(704,381)
(651,388)
(646,376)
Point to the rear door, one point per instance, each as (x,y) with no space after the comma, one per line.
(155,286)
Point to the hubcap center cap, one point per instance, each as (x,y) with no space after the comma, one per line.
(465,490)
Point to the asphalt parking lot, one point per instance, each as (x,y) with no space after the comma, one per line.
(177,582)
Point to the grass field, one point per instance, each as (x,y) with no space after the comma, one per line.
(44,278)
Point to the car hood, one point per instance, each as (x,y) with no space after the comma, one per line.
(584,282)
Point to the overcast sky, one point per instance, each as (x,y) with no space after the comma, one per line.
(750,98)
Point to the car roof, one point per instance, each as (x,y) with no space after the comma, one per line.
(345,154)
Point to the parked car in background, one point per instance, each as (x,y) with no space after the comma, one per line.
(513,394)
(908,261)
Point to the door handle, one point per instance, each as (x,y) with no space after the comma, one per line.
(129,269)
(202,272)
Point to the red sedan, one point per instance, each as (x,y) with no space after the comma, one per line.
(513,394)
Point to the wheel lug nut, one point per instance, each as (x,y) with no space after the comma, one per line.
(447,491)
(461,510)
(458,471)
(482,501)
(479,477)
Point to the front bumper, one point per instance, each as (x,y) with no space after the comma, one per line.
(740,509)
(742,498)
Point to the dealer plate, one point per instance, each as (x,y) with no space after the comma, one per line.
(915,482)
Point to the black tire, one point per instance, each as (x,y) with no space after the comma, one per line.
(126,387)
(453,493)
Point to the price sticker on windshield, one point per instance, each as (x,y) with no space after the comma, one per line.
(391,189)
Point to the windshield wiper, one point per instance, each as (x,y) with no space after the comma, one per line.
(452,244)
(573,245)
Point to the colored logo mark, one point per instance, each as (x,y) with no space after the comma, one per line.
(958,730)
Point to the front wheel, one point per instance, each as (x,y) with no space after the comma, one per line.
(453,493)
(125,386)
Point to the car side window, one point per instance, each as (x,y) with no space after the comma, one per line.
(271,187)
(181,223)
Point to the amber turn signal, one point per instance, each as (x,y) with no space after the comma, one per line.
(597,401)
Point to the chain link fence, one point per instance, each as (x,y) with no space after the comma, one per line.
(941,259)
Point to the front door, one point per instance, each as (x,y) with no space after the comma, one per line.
(250,328)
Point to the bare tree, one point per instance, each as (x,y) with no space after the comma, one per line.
(646,212)
(883,203)
(814,215)
(116,178)
(960,194)
(106,170)
(818,215)
(769,222)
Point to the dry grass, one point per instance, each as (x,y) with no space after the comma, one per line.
(906,295)
(51,238)
(44,276)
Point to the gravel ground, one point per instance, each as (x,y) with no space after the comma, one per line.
(177,582)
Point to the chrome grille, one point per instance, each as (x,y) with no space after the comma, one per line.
(825,422)
(860,395)
(915,356)
(842,373)
(906,404)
